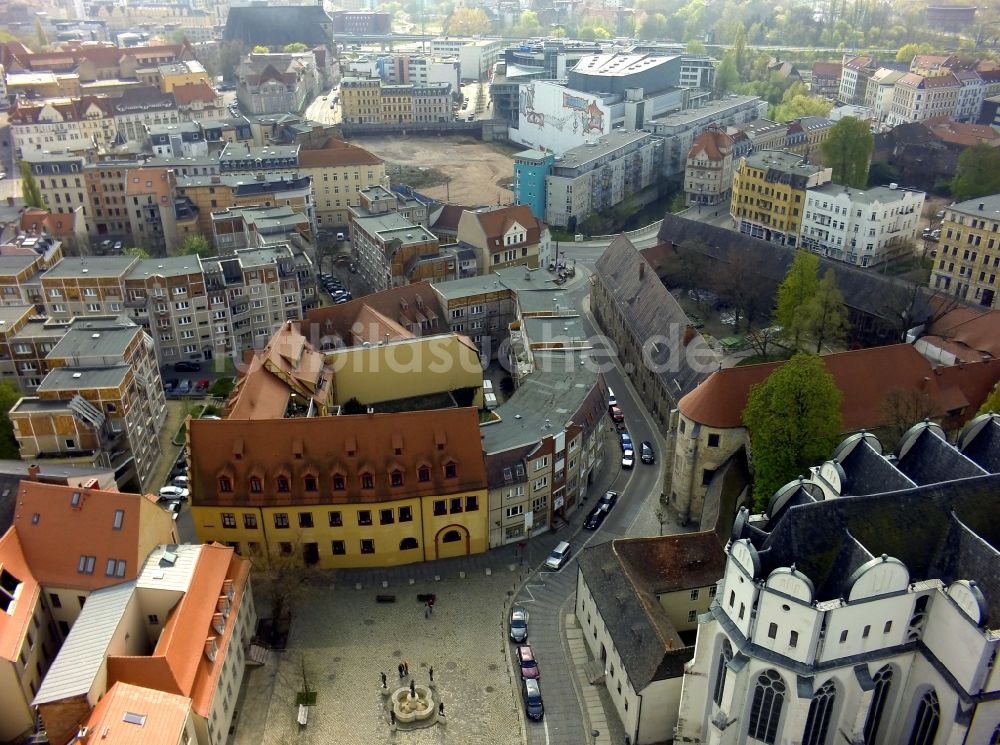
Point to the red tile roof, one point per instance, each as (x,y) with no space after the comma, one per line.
(826,70)
(496,222)
(189,92)
(56,224)
(972,334)
(165,716)
(959,133)
(715,143)
(337,153)
(14,622)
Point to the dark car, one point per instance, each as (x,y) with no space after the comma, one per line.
(169,385)
(519,625)
(617,415)
(596,517)
(526,661)
(187,366)
(532,694)
(646,454)
(610,498)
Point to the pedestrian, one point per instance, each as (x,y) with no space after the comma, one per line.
(431,671)
(441,709)
(413,688)
(430,604)
(384,682)
(406,668)
(400,668)
(427,610)
(392,717)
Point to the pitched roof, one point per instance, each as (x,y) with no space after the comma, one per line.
(15,618)
(348,445)
(189,92)
(714,142)
(960,133)
(447,216)
(414,307)
(56,224)
(865,377)
(337,153)
(971,334)
(497,221)
(278,25)
(163,716)
(649,312)
(826,70)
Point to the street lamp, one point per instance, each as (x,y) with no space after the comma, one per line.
(595,734)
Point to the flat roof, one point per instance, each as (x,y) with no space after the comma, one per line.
(170,266)
(251,257)
(14,263)
(70,378)
(11,313)
(169,567)
(517,278)
(97,266)
(554,328)
(781,160)
(583,154)
(882,194)
(95,338)
(394,226)
(36,329)
(619,64)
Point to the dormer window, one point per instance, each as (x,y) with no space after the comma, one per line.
(451,470)
(338,482)
(256,486)
(367,481)
(225,484)
(423,474)
(283,484)
(310,483)
(396,478)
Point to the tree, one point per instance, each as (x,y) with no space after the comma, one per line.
(907,52)
(726,75)
(139,253)
(9,395)
(528,25)
(797,103)
(469,22)
(848,151)
(794,421)
(29,187)
(40,38)
(977,173)
(261,49)
(230,54)
(295,46)
(695,46)
(794,293)
(195,244)
(824,314)
(901,409)
(992,402)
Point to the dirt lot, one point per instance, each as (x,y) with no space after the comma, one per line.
(476,169)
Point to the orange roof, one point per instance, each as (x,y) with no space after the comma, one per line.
(372,327)
(56,224)
(81,522)
(496,222)
(959,133)
(179,663)
(337,153)
(14,622)
(189,92)
(826,70)
(715,143)
(164,716)
(970,333)
(414,307)
(864,376)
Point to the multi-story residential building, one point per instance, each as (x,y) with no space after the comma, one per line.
(152,210)
(504,237)
(862,227)
(103,538)
(78,125)
(41,84)
(339,171)
(599,175)
(708,175)
(25,342)
(386,245)
(859,605)
(270,159)
(805,136)
(880,91)
(60,180)
(916,98)
(102,396)
(968,260)
(769,194)
(375,489)
(183,72)
(679,129)
(419,70)
(102,61)
(139,109)
(825,79)
(476,56)
(531,168)
(79,287)
(970,97)
(379,200)
(259,227)
(369,101)
(765,134)
(854,76)
(181,140)
(361,22)
(271,83)
(200,102)
(107,208)
(210,194)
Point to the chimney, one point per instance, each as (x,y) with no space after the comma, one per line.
(371,411)
(219,623)
(33,472)
(981,205)
(227,588)
(689,334)
(210,648)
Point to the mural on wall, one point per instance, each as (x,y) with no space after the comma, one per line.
(581,114)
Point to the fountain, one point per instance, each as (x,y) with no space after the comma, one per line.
(414,706)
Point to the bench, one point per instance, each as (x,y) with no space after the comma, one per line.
(385,598)
(303,715)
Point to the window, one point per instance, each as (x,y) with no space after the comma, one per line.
(713,441)
(450,471)
(793,638)
(367,546)
(405,514)
(452,536)
(471,504)
(765,709)
(86,564)
(843,636)
(281,519)
(364,517)
(725,655)
(367,481)
(515,511)
(115,568)
(423,474)
(338,482)
(887,628)
(225,484)
(880,694)
(407,544)
(154,620)
(396,478)
(440,508)
(54,600)
(338,548)
(228,519)
(305,519)
(310,483)
(772,631)
(249,521)
(695,594)
(283,484)
(386,517)
(706,476)
(119,519)
(456,505)
(865,632)
(256,487)
(335,519)
(820,711)
(925,725)
(692,616)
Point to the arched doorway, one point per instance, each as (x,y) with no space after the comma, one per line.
(452,540)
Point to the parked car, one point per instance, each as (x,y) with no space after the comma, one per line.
(610,498)
(596,517)
(174,508)
(341,236)
(180,481)
(531,692)
(117,246)
(3,175)
(628,459)
(341,300)
(184,387)
(168,386)
(187,366)
(201,385)
(617,415)
(559,556)
(526,661)
(646,454)
(173,493)
(519,625)
(626,441)
(612,399)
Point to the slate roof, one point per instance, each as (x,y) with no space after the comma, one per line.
(278,25)
(649,311)
(981,442)
(925,457)
(869,472)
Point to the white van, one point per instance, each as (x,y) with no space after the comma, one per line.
(490,401)
(559,556)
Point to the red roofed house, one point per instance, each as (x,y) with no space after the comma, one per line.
(72,124)
(917,97)
(504,236)
(68,227)
(708,174)
(826,79)
(199,101)
(709,431)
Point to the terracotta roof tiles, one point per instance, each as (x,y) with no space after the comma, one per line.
(336,153)
(165,716)
(14,622)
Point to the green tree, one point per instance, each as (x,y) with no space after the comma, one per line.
(40,38)
(9,395)
(977,173)
(726,75)
(992,402)
(695,46)
(195,244)
(797,103)
(139,253)
(528,25)
(825,314)
(907,52)
(794,421)
(794,293)
(29,187)
(848,151)
(261,49)
(470,22)
(295,46)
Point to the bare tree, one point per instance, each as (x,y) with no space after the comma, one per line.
(901,409)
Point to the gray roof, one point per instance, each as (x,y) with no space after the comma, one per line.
(277,25)
(169,266)
(781,160)
(17,263)
(11,313)
(534,287)
(83,653)
(987,208)
(71,378)
(650,311)
(879,194)
(89,340)
(930,459)
(393,226)
(869,472)
(97,266)
(579,156)
(559,328)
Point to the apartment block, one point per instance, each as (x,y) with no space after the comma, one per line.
(880,90)
(916,98)
(140,108)
(272,83)
(25,342)
(78,125)
(708,174)
(210,194)
(102,398)
(968,258)
(600,175)
(504,237)
(78,287)
(179,140)
(476,56)
(769,194)
(370,101)
(60,179)
(386,245)
(861,227)
(339,171)
(854,75)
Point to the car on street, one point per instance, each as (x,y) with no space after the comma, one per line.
(184,387)
(168,386)
(617,415)
(118,246)
(519,625)
(596,517)
(626,441)
(187,366)
(174,508)
(180,481)
(646,454)
(531,692)
(610,498)
(628,459)
(173,493)
(526,661)
(612,399)
(559,556)
(3,175)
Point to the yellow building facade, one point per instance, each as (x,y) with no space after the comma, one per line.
(967,264)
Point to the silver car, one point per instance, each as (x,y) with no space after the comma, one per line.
(519,625)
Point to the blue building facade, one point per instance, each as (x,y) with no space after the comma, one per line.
(530,169)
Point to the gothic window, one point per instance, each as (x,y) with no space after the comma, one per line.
(883,680)
(925,726)
(725,655)
(820,713)
(765,709)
